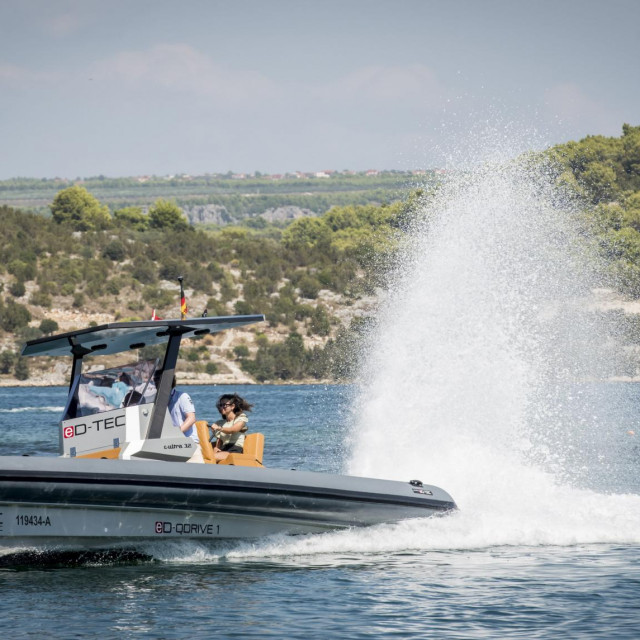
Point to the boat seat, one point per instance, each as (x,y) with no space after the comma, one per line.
(251,455)
(202,427)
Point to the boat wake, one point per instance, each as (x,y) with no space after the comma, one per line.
(49,409)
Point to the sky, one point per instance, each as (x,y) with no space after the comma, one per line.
(152,87)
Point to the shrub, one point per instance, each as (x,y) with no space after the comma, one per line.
(14,316)
(7,361)
(22,270)
(113,286)
(48,326)
(144,270)
(211,368)
(241,351)
(193,355)
(21,370)
(243,308)
(170,269)
(320,323)
(158,297)
(40,299)
(115,251)
(17,289)
(216,308)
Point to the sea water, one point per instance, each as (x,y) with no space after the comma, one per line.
(537,562)
(482,376)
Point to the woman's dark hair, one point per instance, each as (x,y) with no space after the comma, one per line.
(240,403)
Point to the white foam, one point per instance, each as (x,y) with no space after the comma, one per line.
(479,323)
(47,409)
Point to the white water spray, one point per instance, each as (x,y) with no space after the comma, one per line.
(483,319)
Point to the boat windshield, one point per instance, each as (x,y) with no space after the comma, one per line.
(108,389)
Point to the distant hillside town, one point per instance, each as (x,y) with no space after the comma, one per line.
(300,175)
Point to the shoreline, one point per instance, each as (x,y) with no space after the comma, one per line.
(204,380)
(212,380)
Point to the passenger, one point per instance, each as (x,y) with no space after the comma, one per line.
(114,394)
(183,416)
(228,433)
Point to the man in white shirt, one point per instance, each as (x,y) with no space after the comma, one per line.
(183,416)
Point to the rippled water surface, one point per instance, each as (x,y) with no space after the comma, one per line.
(482,573)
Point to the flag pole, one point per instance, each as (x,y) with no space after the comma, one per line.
(183,302)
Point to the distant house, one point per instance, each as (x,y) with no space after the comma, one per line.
(321,174)
(372,172)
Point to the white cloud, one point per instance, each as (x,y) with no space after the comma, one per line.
(182,69)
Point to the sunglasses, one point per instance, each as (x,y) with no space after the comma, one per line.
(226,404)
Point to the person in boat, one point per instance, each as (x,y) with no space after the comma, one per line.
(114,394)
(229,431)
(183,416)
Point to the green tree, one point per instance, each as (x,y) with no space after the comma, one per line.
(309,286)
(22,270)
(131,218)
(48,326)
(600,181)
(306,233)
(144,270)
(17,289)
(115,251)
(241,351)
(21,370)
(76,207)
(320,322)
(165,214)
(630,160)
(211,368)
(7,361)
(14,316)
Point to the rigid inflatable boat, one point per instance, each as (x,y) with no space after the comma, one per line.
(122,477)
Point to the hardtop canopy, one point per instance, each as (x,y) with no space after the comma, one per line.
(116,337)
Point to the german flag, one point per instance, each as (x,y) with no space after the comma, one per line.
(183,301)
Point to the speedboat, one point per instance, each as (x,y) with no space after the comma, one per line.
(122,477)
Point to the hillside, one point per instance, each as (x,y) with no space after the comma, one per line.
(311,280)
(317,278)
